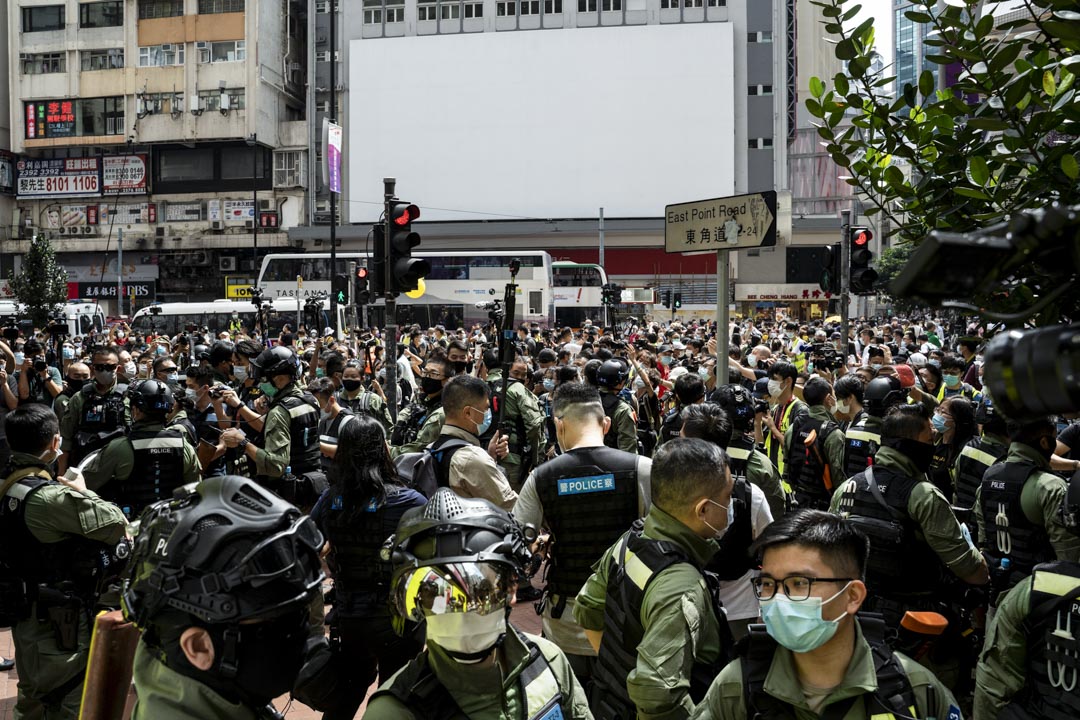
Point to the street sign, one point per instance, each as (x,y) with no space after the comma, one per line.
(238,288)
(731,223)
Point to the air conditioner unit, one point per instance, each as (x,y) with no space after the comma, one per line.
(89,230)
(225,101)
(266,205)
(217,225)
(62,231)
(200,258)
(249,224)
(322,56)
(159,232)
(194,105)
(227,264)
(322,106)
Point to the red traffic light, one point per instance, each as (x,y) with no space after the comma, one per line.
(361,273)
(401,214)
(861,237)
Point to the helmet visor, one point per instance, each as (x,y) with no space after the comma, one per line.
(281,554)
(482,588)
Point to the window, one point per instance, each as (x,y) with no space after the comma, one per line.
(759,37)
(590,5)
(161,55)
(289,169)
(101,14)
(211,99)
(110,59)
(376,10)
(44,63)
(760,143)
(149,9)
(717,3)
(552,7)
(373,12)
(227,51)
(611,5)
(236,163)
(426,11)
(760,90)
(185,165)
(214,7)
(450,10)
(395,11)
(74,118)
(530,7)
(473,9)
(43,17)
(505,8)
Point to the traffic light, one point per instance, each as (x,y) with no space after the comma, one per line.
(830,270)
(405,270)
(862,276)
(362,294)
(377,262)
(666,296)
(340,288)
(678,301)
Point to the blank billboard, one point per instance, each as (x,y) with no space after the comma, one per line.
(543,124)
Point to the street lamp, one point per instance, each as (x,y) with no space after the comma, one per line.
(252,141)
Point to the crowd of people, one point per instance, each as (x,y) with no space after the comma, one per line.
(839,528)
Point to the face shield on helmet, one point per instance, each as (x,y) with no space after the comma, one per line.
(481,588)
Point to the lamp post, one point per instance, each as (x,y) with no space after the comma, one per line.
(252,142)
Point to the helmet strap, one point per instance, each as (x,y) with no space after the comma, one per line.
(228,665)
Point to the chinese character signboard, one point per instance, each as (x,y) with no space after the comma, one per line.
(238,210)
(743,221)
(59,177)
(50,119)
(334,141)
(140,290)
(123,174)
(183,212)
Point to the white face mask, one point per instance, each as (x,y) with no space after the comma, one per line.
(240,372)
(751,360)
(842,407)
(775,389)
(466,633)
(50,455)
(129,369)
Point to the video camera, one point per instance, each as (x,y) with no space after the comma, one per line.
(10,329)
(825,357)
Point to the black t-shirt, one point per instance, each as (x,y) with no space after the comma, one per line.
(1071,436)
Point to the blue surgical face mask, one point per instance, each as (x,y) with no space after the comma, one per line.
(68,353)
(938,421)
(798,625)
(20,358)
(951,381)
(935,362)
(665,359)
(485,424)
(549,384)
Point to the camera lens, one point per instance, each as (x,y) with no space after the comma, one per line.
(1034,374)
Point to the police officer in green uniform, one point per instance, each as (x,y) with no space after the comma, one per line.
(746,460)
(648,609)
(980,452)
(863,438)
(219,583)
(457,562)
(814,448)
(56,537)
(816,656)
(97,413)
(611,379)
(221,362)
(1029,665)
(434,375)
(522,417)
(353,397)
(689,390)
(288,462)
(151,462)
(1017,507)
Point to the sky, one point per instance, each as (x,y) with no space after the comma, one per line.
(881,11)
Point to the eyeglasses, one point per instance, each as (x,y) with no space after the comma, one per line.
(103,367)
(796,587)
(432,376)
(167,369)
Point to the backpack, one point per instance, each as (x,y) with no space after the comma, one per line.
(428,470)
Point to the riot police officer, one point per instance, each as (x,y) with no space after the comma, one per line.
(587,497)
(1019,526)
(288,462)
(622,432)
(457,561)
(56,538)
(97,413)
(352,394)
(522,416)
(413,432)
(219,584)
(814,448)
(151,462)
(863,439)
(1029,664)
(746,460)
(689,389)
(980,452)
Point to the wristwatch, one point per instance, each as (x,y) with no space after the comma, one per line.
(243,444)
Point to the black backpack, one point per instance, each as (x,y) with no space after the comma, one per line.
(428,470)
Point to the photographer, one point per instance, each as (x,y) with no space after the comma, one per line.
(36,380)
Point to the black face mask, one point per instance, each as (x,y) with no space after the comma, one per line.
(431,386)
(919,453)
(351,385)
(460,367)
(73,385)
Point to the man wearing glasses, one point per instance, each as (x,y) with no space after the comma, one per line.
(814,657)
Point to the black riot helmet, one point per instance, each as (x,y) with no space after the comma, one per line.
(201,352)
(737,403)
(882,393)
(612,373)
(275,361)
(153,397)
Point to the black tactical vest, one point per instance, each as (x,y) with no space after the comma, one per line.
(303,432)
(329,431)
(808,466)
(101,420)
(733,561)
(359,405)
(862,441)
(611,401)
(623,630)
(1008,531)
(409,422)
(590,497)
(158,470)
(356,535)
(671,424)
(901,564)
(975,459)
(1053,663)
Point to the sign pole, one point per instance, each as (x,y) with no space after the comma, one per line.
(845,279)
(119,271)
(390,340)
(723,336)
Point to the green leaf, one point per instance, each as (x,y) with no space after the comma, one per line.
(984,26)
(940,59)
(852,12)
(817,88)
(1048,84)
(1070,167)
(845,49)
(815,108)
(926,83)
(987,123)
(971,193)
(977,171)
(1063,100)
(918,17)
(840,82)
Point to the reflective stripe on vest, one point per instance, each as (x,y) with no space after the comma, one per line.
(300,410)
(1053,583)
(635,569)
(542,692)
(782,427)
(738,453)
(798,358)
(157,442)
(856,434)
(980,456)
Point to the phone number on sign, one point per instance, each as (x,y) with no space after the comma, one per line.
(62,185)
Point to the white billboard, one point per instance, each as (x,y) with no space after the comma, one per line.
(541,124)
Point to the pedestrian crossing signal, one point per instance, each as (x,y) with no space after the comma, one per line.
(340,288)
(678,301)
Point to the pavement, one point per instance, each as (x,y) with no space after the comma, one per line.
(523,616)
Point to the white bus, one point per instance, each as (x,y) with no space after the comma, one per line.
(174,318)
(83,317)
(577,293)
(457,284)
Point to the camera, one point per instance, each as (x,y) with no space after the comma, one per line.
(1033,374)
(218,391)
(825,357)
(40,365)
(760,407)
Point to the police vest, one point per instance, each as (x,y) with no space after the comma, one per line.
(408,424)
(590,497)
(900,564)
(809,472)
(975,459)
(636,562)
(894,694)
(1053,665)
(303,432)
(157,470)
(359,405)
(611,403)
(671,425)
(101,420)
(733,560)
(418,688)
(329,431)
(356,536)
(1009,533)
(862,441)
